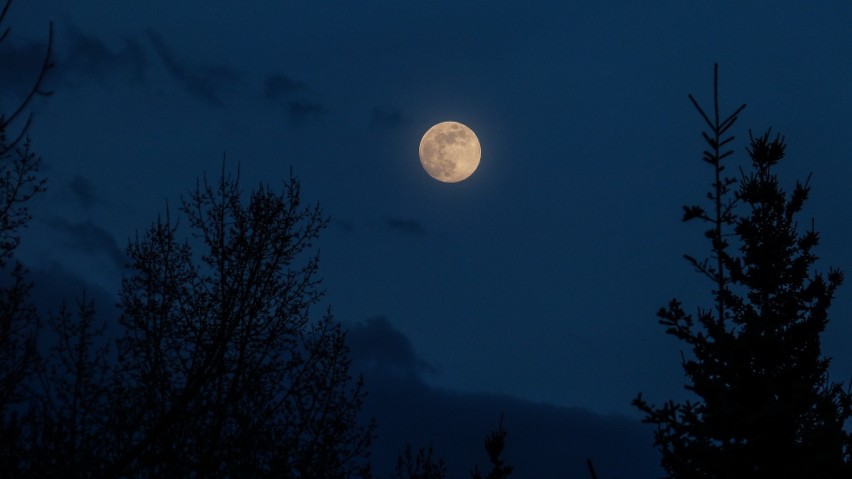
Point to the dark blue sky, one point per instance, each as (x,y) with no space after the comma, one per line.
(538,278)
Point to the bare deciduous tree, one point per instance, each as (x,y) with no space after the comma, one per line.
(420,465)
(223,371)
(18,320)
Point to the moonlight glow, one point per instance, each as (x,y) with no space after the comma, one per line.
(450,152)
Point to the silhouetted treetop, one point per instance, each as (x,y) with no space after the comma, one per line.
(495,441)
(420,465)
(7,118)
(224,371)
(766,407)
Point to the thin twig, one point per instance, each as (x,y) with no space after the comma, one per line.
(591,469)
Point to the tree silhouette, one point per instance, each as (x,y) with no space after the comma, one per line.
(19,182)
(419,466)
(591,467)
(222,372)
(766,407)
(64,431)
(36,89)
(221,369)
(495,441)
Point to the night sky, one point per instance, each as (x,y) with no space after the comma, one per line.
(529,289)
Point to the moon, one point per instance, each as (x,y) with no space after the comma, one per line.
(450,152)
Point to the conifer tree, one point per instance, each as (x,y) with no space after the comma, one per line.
(495,441)
(765,405)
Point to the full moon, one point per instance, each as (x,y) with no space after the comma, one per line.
(450,152)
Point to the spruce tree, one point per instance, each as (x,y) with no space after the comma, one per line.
(495,441)
(765,406)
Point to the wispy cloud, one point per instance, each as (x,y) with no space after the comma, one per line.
(87,56)
(206,82)
(79,57)
(279,86)
(53,285)
(20,61)
(301,110)
(406,225)
(343,224)
(386,116)
(89,238)
(375,344)
(293,96)
(83,191)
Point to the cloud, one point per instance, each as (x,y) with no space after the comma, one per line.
(375,345)
(278,86)
(87,56)
(20,62)
(407,226)
(543,440)
(83,191)
(204,82)
(386,116)
(345,225)
(301,110)
(53,285)
(293,96)
(89,238)
(80,56)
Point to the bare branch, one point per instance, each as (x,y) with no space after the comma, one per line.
(35,90)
